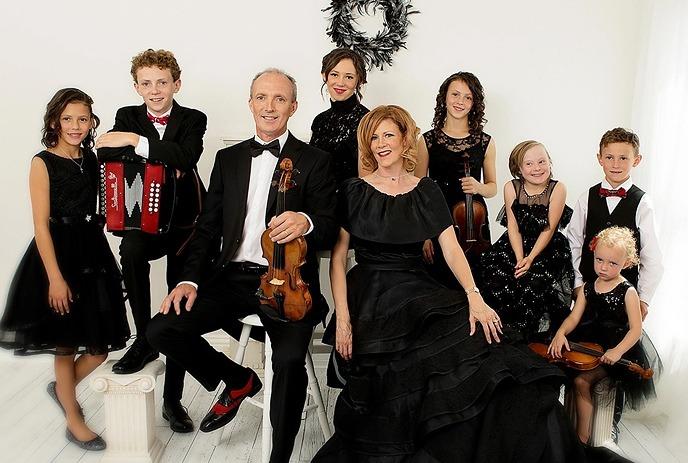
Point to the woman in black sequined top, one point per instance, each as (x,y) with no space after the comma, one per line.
(457,134)
(344,73)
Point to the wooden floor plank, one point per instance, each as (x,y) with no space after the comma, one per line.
(32,427)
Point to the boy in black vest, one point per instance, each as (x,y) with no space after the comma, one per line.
(617,201)
(162,131)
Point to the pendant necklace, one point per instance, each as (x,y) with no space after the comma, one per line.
(80,165)
(394,178)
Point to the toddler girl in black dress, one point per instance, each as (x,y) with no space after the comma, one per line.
(609,308)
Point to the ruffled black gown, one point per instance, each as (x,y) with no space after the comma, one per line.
(538,301)
(97,321)
(334,131)
(419,387)
(605,322)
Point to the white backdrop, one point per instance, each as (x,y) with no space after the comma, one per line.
(558,71)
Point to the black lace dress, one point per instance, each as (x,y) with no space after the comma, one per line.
(420,388)
(606,323)
(96,322)
(334,131)
(538,301)
(446,167)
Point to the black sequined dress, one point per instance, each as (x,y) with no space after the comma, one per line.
(541,298)
(334,131)
(96,322)
(446,167)
(606,323)
(419,387)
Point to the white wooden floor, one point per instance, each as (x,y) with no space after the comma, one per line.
(32,427)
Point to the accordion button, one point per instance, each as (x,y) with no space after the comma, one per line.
(150,209)
(155,209)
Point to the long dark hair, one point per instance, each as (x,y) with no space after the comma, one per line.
(54,109)
(333,58)
(476,118)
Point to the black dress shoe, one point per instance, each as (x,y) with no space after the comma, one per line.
(227,406)
(177,416)
(138,355)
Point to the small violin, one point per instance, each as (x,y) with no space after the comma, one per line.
(469,217)
(585,356)
(282,287)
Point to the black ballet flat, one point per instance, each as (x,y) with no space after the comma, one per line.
(53,395)
(96,444)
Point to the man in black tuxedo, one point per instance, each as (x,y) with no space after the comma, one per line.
(160,130)
(241,201)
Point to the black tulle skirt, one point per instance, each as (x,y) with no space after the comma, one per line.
(96,322)
(420,388)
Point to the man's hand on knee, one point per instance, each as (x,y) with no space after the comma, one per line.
(174,299)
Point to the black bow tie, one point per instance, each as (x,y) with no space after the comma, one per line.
(258,148)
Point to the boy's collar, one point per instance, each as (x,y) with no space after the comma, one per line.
(166,113)
(625,185)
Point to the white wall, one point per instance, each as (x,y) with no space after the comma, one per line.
(559,71)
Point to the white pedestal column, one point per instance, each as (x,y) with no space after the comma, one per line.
(129,413)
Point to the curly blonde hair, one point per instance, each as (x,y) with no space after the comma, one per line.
(407,127)
(618,237)
(162,59)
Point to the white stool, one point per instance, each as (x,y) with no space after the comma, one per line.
(313,387)
(604,399)
(129,413)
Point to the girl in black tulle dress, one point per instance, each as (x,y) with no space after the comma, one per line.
(456,135)
(527,274)
(66,295)
(608,313)
(427,382)
(343,72)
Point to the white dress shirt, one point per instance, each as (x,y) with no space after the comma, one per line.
(650,268)
(142,147)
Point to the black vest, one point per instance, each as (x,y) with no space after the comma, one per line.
(599,218)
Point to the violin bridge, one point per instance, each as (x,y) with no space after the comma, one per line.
(276,282)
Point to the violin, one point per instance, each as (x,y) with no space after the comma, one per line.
(585,356)
(469,218)
(282,287)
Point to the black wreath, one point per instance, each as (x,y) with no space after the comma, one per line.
(376,51)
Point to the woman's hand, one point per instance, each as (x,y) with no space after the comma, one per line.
(611,357)
(486,316)
(428,252)
(59,296)
(557,344)
(343,338)
(522,266)
(470,185)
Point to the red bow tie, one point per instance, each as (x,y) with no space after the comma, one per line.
(158,120)
(606,193)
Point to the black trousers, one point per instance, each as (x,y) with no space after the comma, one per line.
(137,249)
(226,297)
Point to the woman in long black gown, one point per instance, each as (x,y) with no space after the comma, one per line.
(429,380)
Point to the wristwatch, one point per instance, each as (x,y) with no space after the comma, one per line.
(474,289)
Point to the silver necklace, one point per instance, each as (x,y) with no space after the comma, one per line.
(80,165)
(392,178)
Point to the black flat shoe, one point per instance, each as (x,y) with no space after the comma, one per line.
(227,406)
(138,355)
(96,444)
(177,416)
(52,392)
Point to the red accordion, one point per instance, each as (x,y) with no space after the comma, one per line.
(137,196)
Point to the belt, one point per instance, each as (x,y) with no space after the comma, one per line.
(247,267)
(79,219)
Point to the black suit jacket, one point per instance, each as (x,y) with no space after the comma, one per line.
(180,148)
(224,210)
